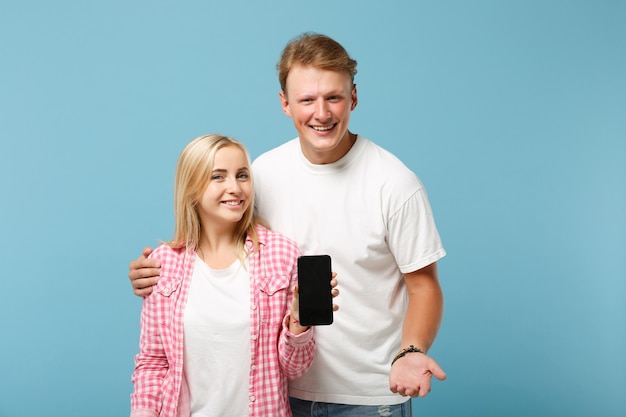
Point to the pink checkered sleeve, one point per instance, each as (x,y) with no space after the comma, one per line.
(151,363)
(295,352)
(278,354)
(159,362)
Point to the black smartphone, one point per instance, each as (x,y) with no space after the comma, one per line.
(316,301)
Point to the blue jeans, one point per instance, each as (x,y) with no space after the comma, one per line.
(302,408)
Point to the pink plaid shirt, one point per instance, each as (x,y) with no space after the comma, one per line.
(276,354)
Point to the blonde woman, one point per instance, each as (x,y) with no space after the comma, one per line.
(220,334)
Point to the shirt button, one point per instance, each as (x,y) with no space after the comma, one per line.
(252,398)
(253,367)
(253,337)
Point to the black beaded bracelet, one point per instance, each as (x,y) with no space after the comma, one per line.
(404,351)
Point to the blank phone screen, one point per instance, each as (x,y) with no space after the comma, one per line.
(316,301)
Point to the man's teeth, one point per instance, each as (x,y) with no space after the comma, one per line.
(323,128)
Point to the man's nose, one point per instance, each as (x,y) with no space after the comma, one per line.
(322,110)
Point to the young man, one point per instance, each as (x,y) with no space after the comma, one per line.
(335,192)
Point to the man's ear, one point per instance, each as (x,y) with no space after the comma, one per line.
(284,103)
(355,98)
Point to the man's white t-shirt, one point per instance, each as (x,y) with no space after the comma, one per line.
(371,214)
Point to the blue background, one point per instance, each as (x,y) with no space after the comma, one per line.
(513,114)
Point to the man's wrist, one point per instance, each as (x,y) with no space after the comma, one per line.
(403,352)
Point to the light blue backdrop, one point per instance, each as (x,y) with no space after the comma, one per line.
(513,114)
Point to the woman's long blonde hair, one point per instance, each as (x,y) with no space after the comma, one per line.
(193,173)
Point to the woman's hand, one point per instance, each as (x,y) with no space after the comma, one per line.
(294,319)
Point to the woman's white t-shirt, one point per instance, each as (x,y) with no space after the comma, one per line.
(217,340)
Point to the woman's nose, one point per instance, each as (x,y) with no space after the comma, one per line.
(233,185)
